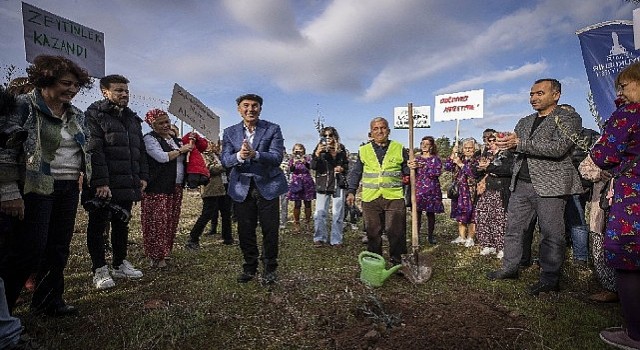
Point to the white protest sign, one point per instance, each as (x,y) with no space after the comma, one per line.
(459,106)
(48,34)
(193,112)
(636,28)
(421,117)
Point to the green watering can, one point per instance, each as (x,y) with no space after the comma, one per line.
(373,272)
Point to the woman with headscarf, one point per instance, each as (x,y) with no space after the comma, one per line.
(42,206)
(162,199)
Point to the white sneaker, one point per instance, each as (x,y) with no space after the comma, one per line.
(469,243)
(500,254)
(126,270)
(458,240)
(487,251)
(102,279)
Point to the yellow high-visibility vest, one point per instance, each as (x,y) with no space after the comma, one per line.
(385,180)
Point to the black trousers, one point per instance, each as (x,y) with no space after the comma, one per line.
(210,207)
(40,243)
(254,208)
(98,220)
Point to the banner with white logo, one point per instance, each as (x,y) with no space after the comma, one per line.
(607,48)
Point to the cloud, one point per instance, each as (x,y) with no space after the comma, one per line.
(274,19)
(496,76)
(499,100)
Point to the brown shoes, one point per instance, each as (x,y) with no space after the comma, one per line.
(604,297)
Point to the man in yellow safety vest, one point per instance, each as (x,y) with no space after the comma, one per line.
(380,166)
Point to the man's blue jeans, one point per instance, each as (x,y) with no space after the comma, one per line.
(322,211)
(576,223)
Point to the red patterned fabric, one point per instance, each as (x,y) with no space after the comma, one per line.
(160,214)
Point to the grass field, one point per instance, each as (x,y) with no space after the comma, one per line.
(319,302)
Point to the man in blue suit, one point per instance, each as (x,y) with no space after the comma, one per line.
(252,150)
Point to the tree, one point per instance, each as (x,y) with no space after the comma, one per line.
(444,146)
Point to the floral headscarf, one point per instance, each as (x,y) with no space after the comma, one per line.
(153,114)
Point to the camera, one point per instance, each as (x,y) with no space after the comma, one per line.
(117,211)
(323,141)
(12,136)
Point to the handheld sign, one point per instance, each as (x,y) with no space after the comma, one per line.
(193,112)
(421,117)
(459,106)
(48,34)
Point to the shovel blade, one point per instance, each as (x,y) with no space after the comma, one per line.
(416,267)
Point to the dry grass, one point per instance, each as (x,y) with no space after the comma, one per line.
(319,303)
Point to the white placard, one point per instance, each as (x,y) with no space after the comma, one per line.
(421,117)
(459,106)
(48,34)
(193,112)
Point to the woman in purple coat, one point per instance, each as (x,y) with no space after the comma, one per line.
(428,191)
(302,189)
(618,150)
(462,208)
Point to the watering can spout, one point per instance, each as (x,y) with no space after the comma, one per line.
(391,271)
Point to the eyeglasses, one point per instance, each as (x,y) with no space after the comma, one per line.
(69,83)
(328,135)
(491,140)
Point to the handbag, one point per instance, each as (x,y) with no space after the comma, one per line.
(605,200)
(453,192)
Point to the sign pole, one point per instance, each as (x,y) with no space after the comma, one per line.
(412,176)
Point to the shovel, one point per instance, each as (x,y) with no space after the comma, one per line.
(415,266)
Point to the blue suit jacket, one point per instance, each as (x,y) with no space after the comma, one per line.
(268,176)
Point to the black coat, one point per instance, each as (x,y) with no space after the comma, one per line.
(326,180)
(118,154)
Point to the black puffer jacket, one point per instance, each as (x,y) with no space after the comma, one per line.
(118,154)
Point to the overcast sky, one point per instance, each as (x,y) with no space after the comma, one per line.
(346,60)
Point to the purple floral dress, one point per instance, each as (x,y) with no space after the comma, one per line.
(428,191)
(619,145)
(462,209)
(301,186)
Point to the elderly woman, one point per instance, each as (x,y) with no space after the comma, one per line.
(493,192)
(619,150)
(43,207)
(162,199)
(462,166)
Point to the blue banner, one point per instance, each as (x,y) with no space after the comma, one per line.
(607,48)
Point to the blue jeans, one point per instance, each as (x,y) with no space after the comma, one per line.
(322,211)
(576,222)
(10,327)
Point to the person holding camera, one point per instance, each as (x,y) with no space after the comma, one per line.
(120,174)
(331,162)
(301,187)
(44,203)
